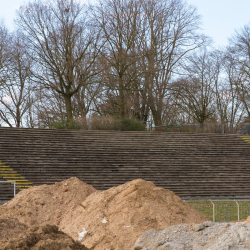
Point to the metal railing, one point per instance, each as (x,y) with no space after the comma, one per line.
(177,125)
(243,129)
(222,210)
(150,124)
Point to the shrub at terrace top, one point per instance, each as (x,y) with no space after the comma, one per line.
(111,123)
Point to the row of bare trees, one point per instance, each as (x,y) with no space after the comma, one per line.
(143,59)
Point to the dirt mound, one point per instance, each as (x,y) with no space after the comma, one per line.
(11,228)
(42,238)
(116,218)
(46,204)
(243,220)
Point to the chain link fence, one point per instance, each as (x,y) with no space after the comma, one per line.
(218,128)
(222,210)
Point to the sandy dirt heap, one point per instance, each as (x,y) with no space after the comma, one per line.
(205,236)
(46,204)
(116,218)
(243,220)
(11,228)
(46,237)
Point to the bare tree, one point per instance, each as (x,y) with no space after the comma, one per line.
(172,32)
(239,55)
(144,44)
(63,45)
(5,40)
(121,25)
(229,106)
(17,89)
(196,93)
(49,109)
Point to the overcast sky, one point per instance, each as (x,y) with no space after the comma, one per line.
(220,17)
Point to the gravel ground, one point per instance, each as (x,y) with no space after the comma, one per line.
(206,236)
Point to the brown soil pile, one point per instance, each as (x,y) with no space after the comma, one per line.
(46,237)
(243,220)
(47,204)
(117,217)
(114,219)
(11,228)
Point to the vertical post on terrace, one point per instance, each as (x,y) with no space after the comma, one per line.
(238,209)
(213,210)
(151,125)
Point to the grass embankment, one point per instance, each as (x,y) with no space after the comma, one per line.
(224,210)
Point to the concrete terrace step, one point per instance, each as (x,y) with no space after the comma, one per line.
(188,164)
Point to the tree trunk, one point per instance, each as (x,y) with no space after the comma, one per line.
(137,112)
(18,117)
(121,97)
(70,121)
(157,118)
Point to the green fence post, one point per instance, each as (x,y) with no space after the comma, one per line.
(196,128)
(151,125)
(166,128)
(179,128)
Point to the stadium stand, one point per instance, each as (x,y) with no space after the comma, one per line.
(191,165)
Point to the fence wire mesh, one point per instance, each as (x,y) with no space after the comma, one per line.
(222,210)
(242,128)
